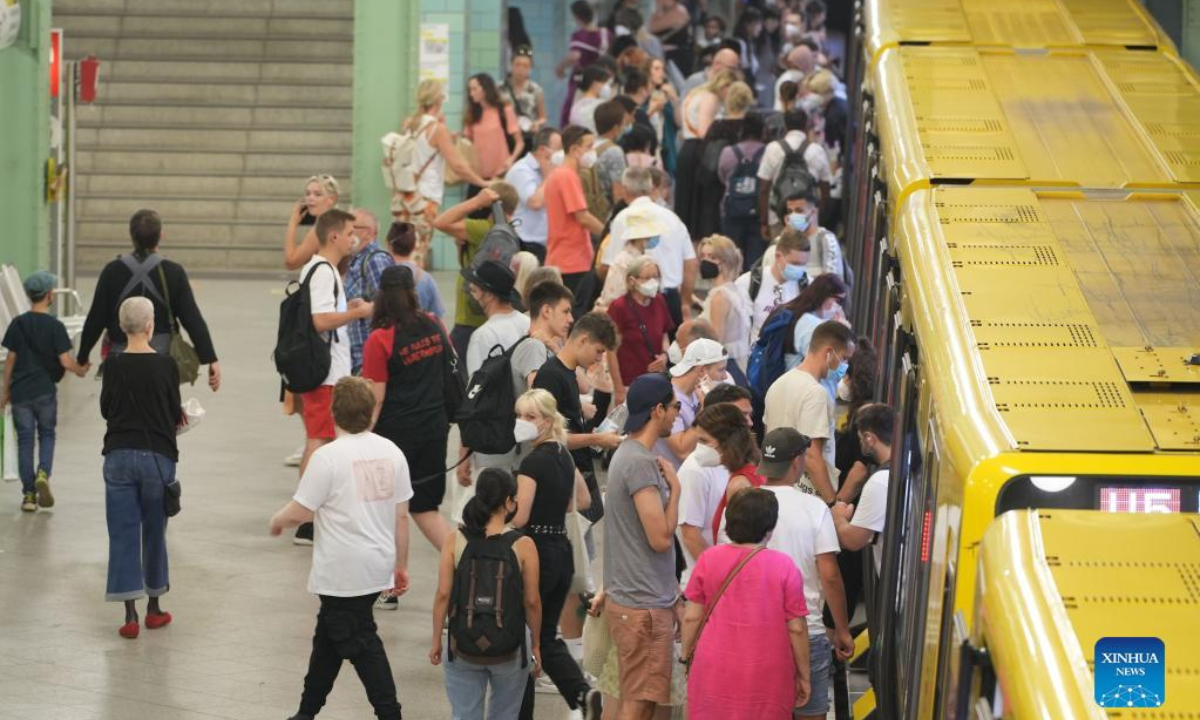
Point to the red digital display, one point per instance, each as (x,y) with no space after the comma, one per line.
(1140,500)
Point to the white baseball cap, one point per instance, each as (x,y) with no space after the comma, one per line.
(700,351)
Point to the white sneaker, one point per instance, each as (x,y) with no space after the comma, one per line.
(545,686)
(575,714)
(294,459)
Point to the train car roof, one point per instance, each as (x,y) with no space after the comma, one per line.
(1022,24)
(1074,119)
(1057,321)
(1053,583)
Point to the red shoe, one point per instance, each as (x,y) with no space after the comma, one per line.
(155,621)
(130,630)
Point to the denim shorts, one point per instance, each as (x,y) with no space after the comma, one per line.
(820,659)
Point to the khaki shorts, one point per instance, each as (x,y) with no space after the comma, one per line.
(645,642)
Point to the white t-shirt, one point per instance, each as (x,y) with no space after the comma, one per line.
(502,329)
(798,401)
(354,484)
(701,490)
(674,245)
(826,255)
(583,112)
(871,513)
(792,75)
(771,295)
(804,531)
(815,156)
(321,290)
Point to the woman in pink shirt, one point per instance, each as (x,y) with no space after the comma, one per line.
(497,137)
(750,658)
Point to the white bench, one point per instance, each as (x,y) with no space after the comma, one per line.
(14,301)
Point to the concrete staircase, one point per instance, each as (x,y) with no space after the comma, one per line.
(212,112)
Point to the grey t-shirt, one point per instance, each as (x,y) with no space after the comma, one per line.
(527,358)
(634,574)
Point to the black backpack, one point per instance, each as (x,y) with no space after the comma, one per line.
(487,415)
(301,355)
(741,194)
(487,600)
(500,243)
(794,176)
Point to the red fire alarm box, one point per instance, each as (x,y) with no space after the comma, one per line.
(89,73)
(55,61)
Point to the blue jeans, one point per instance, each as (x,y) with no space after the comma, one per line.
(467,684)
(820,657)
(37,417)
(134,481)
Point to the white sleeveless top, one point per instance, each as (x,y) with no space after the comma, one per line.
(736,328)
(691,115)
(432,183)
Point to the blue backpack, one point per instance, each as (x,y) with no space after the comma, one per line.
(766,357)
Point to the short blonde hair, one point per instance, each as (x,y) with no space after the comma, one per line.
(724,251)
(136,315)
(820,82)
(353,404)
(739,98)
(720,82)
(327,183)
(544,404)
(537,276)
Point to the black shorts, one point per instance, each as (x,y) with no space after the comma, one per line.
(426,457)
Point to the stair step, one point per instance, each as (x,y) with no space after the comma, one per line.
(221,117)
(182,230)
(317,9)
(176,26)
(198,258)
(179,161)
(219,93)
(304,51)
(289,188)
(214,140)
(229,210)
(250,71)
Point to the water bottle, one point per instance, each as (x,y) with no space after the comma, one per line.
(615,422)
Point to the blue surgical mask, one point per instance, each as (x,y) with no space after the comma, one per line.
(652,243)
(798,221)
(794,272)
(840,372)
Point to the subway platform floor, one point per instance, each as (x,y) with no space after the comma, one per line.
(238,647)
(239,643)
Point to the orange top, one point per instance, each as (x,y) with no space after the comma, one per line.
(488,136)
(568,244)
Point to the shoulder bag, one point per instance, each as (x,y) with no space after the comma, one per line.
(708,611)
(180,350)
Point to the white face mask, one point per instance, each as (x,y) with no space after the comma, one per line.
(648,288)
(706,456)
(606,92)
(843,390)
(588,159)
(675,353)
(354,243)
(557,158)
(525,431)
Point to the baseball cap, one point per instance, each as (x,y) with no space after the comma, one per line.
(493,276)
(781,446)
(645,393)
(700,351)
(40,283)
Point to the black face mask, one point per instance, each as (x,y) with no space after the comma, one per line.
(474,306)
(709,269)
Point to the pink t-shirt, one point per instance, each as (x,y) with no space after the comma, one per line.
(488,136)
(568,243)
(743,667)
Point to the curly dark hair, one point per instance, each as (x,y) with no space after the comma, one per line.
(735,439)
(862,374)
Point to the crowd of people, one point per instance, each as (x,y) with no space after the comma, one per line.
(670,340)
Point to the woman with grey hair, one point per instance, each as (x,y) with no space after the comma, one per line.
(140,402)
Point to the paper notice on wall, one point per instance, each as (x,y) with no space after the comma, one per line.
(435,51)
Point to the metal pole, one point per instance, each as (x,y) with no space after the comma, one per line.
(73,173)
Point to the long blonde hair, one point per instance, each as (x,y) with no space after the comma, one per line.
(546,406)
(720,82)
(522,264)
(429,94)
